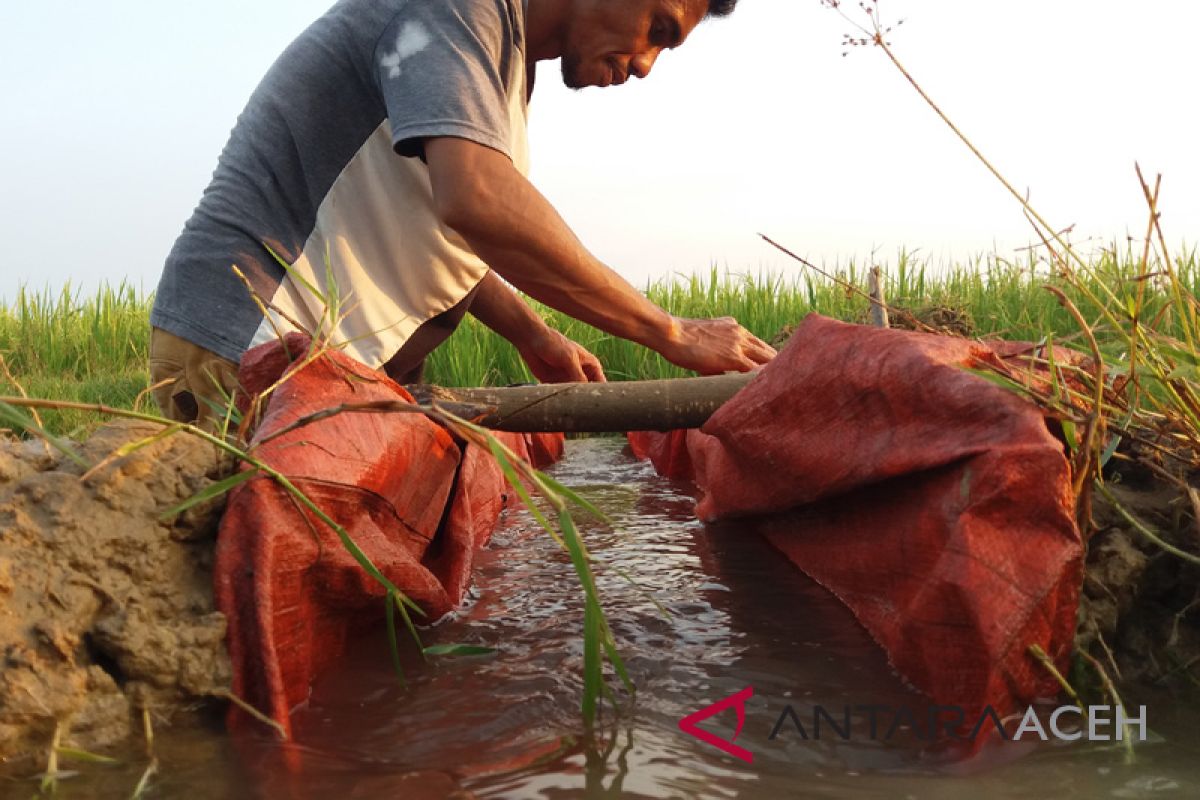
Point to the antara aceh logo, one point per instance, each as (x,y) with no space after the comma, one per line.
(738,701)
(933,722)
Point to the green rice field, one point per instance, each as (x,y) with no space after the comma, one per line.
(68,345)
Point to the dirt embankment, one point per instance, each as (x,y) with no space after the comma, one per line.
(104,608)
(1140,606)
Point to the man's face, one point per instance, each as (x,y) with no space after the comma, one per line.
(610,41)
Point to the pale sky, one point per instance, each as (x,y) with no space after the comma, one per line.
(115,112)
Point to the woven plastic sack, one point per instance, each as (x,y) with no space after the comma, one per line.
(416,501)
(935,504)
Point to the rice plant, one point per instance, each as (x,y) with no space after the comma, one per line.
(92,349)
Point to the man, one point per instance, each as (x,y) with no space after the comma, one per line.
(374,188)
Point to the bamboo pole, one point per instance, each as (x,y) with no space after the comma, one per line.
(660,405)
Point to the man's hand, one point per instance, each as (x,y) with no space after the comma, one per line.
(553,358)
(714,346)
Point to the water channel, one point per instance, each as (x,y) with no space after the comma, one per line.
(508,724)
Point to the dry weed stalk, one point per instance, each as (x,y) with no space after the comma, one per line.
(1149,392)
(1155,383)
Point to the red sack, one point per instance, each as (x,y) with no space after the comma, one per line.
(666,451)
(405,491)
(936,505)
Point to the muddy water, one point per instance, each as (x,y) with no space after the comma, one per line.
(507,725)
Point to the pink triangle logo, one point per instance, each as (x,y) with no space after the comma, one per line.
(738,701)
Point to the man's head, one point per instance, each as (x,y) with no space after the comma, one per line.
(607,42)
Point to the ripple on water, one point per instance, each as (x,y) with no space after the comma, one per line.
(507,725)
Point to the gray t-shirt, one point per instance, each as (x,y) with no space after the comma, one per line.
(323,171)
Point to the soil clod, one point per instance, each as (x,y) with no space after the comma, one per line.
(104,607)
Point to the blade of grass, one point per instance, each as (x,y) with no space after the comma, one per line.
(12,417)
(459,650)
(574,497)
(249,709)
(514,480)
(393,644)
(403,604)
(77,754)
(143,783)
(592,670)
(210,492)
(1142,528)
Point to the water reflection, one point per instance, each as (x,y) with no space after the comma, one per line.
(738,615)
(508,725)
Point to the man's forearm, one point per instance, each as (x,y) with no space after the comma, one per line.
(512,227)
(550,356)
(499,307)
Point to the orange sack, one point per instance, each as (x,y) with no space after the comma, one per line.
(414,499)
(936,505)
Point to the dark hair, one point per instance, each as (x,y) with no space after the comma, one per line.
(721,8)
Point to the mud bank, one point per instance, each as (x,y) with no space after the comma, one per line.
(1140,606)
(105,610)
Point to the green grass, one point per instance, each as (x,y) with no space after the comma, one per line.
(69,346)
(93,348)
(1002,298)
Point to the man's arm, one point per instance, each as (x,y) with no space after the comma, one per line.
(551,357)
(510,225)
